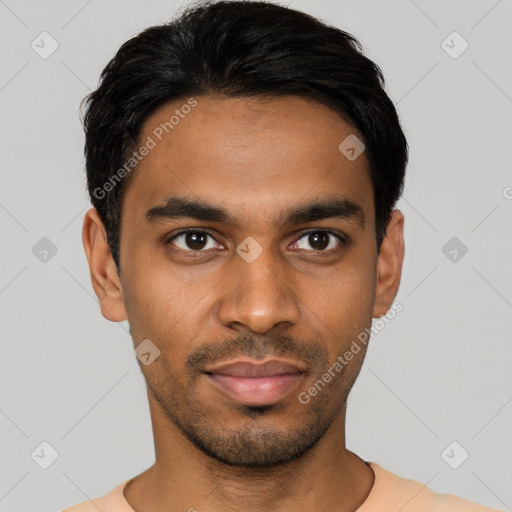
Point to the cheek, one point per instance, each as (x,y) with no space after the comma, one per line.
(344,300)
(164,306)
(343,311)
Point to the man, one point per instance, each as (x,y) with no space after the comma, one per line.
(243,162)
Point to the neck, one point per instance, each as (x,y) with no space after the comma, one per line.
(329,478)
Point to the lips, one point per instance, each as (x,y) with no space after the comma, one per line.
(250,383)
(241,368)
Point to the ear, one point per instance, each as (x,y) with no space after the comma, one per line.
(104,277)
(389,265)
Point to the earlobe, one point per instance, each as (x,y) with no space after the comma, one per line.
(389,265)
(104,277)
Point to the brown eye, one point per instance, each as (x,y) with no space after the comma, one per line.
(193,240)
(320,241)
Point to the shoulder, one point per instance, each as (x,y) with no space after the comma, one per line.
(456,504)
(113,501)
(391,492)
(86,506)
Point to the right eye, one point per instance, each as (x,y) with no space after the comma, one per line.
(192,240)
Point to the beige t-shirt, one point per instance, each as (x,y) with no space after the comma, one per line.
(390,493)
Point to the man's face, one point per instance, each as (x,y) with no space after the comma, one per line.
(260,286)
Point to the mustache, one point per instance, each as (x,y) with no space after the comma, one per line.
(278,344)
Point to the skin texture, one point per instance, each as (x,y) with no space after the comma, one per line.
(297,301)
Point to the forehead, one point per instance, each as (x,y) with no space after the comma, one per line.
(253,157)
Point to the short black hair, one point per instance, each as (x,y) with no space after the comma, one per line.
(244,49)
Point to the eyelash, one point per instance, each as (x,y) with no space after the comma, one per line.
(343,240)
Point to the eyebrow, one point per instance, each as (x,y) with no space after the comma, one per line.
(176,207)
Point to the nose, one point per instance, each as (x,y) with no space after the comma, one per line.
(259,295)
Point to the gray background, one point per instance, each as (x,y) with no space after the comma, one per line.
(438,373)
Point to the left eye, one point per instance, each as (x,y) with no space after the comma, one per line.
(319,240)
